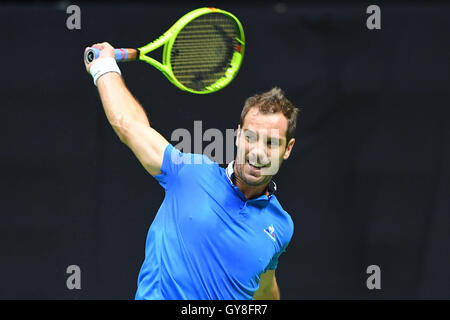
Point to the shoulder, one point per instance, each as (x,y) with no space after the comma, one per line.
(197,164)
(178,165)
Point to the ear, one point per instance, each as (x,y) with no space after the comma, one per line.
(289,147)
(238,135)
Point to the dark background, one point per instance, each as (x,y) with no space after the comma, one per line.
(367,183)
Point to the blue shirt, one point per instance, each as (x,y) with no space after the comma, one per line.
(207,241)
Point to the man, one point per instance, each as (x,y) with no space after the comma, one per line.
(219,232)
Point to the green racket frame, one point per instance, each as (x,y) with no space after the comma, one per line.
(168,39)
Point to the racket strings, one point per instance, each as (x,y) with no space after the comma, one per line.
(203,50)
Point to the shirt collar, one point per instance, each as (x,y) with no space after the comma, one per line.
(230,171)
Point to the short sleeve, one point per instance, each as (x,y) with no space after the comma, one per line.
(171,165)
(173,162)
(287,239)
(274,261)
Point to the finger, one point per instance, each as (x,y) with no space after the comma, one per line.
(99,46)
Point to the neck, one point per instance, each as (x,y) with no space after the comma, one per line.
(249,191)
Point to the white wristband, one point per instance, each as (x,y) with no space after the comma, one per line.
(102,66)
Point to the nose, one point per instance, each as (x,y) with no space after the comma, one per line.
(258,154)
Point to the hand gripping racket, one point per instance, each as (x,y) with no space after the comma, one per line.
(202,52)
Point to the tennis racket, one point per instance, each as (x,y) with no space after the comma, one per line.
(202,52)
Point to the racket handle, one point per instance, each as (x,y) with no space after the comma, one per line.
(119,54)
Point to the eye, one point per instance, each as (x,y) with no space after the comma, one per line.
(250,137)
(272,143)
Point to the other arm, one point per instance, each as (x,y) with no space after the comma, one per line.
(268,287)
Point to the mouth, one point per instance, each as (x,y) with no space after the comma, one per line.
(256,166)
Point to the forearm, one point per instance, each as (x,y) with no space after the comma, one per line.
(271,293)
(275,293)
(118,102)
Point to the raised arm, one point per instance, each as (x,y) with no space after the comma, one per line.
(128,118)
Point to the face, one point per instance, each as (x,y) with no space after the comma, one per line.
(261,146)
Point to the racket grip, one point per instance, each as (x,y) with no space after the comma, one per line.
(119,54)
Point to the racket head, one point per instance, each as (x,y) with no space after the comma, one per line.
(203,51)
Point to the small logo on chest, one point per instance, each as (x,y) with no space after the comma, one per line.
(270,231)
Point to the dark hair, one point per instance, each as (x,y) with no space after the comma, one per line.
(273,101)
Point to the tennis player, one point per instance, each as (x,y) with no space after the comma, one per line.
(220,231)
